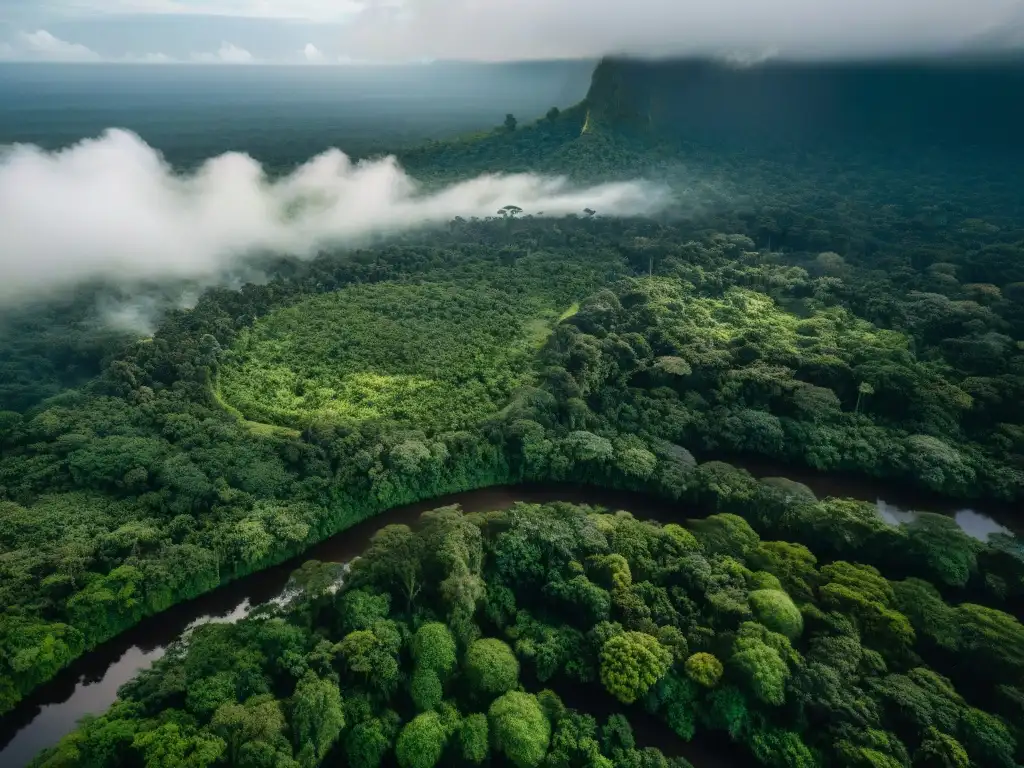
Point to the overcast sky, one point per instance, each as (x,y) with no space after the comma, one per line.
(335,31)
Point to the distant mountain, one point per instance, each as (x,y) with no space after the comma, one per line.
(969,101)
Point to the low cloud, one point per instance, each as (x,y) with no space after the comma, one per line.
(43,46)
(312,54)
(408,30)
(749,58)
(494,29)
(288,10)
(348,61)
(149,58)
(228,53)
(110,208)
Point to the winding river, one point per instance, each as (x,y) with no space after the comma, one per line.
(89,686)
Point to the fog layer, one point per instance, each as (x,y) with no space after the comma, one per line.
(489,29)
(112,208)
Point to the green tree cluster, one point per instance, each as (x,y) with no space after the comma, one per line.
(862,670)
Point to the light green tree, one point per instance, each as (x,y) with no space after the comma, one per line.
(474,739)
(433,647)
(491,667)
(631,663)
(705,669)
(421,741)
(862,389)
(776,610)
(177,746)
(426,689)
(519,728)
(317,718)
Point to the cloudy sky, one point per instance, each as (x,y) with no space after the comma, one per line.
(335,31)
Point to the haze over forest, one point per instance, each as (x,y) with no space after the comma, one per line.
(172,109)
(318,32)
(553,385)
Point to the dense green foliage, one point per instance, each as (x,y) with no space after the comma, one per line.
(48,347)
(560,596)
(491,667)
(142,490)
(839,312)
(434,355)
(631,662)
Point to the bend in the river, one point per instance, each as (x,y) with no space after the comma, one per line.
(90,684)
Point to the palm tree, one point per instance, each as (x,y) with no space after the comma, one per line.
(863,389)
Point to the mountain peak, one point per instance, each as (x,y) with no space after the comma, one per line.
(617,99)
(775,102)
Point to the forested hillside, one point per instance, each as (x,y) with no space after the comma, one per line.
(843,310)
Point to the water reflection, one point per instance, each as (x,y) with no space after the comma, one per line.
(974,524)
(89,686)
(92,693)
(896,504)
(60,717)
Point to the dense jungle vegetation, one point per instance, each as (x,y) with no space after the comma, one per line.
(856,312)
(395,359)
(448,644)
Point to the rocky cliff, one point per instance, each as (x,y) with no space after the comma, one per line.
(963,102)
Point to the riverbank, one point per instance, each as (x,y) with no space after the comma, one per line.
(897,503)
(90,684)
